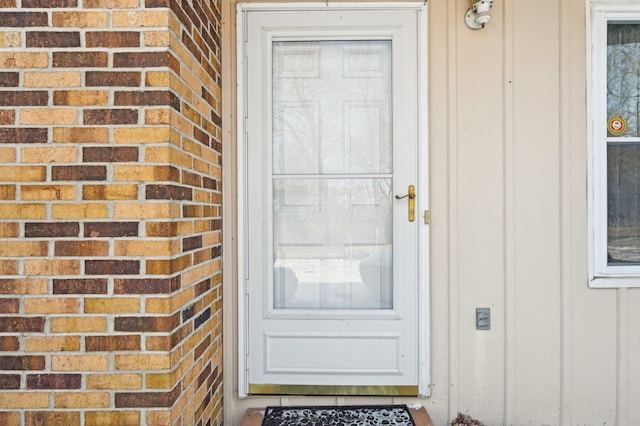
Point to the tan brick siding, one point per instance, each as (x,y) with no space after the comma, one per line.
(110,212)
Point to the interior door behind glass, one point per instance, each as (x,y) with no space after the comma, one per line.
(332,175)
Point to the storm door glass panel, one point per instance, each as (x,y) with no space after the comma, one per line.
(623,143)
(332,175)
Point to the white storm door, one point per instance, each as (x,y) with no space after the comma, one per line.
(331,257)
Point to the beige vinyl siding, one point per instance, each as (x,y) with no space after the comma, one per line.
(508,185)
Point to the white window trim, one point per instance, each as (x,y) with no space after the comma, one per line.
(424,374)
(600,13)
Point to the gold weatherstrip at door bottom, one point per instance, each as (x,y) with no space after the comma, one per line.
(267,389)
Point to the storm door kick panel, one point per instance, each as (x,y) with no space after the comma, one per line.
(331,169)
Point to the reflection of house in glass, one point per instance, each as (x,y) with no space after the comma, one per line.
(359,282)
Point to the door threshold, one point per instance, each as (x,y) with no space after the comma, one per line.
(254,417)
(273,389)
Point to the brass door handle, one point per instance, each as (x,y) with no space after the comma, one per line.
(412,202)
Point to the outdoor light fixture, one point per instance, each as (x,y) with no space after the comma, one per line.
(479,14)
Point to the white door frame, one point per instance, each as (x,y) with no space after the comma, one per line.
(422,199)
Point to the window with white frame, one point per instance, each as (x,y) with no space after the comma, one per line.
(615,146)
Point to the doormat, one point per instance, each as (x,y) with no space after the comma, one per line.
(350,415)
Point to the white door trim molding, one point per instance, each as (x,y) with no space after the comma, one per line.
(422,195)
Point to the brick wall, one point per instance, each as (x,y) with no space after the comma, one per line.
(110,229)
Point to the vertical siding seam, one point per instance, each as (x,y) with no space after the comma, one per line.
(622,351)
(509,232)
(452,200)
(565,213)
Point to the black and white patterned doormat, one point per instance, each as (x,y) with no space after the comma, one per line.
(354,415)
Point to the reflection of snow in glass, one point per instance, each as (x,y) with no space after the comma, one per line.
(624,250)
(362,283)
(324,270)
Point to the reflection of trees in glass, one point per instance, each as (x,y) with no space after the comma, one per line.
(332,115)
(623,74)
(310,77)
(338,220)
(623,156)
(623,202)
